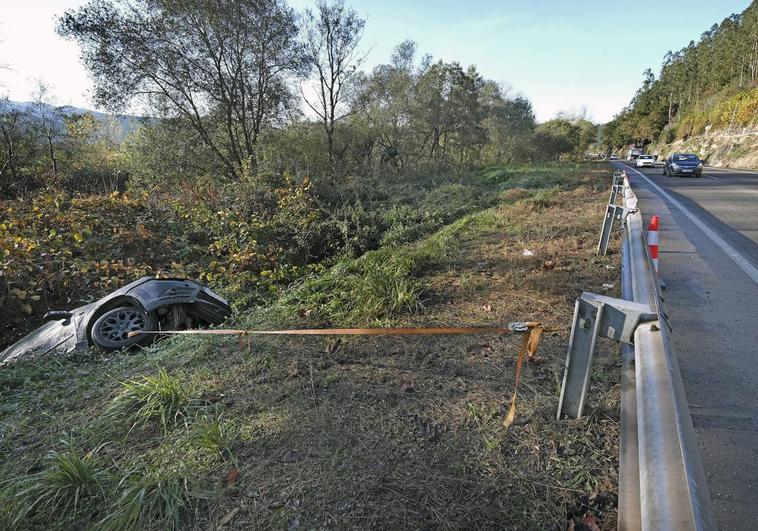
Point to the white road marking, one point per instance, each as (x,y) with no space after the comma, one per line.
(712,177)
(728,249)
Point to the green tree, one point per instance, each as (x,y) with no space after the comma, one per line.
(222,66)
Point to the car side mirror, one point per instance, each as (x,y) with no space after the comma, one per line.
(58,316)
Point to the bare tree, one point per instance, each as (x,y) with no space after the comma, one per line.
(49,120)
(332,36)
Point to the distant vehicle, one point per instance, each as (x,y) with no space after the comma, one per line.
(645,160)
(685,164)
(146,304)
(634,153)
(614,157)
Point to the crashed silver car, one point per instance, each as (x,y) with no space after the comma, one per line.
(146,304)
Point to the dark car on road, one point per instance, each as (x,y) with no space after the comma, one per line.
(685,164)
(146,304)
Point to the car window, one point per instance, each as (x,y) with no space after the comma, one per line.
(685,158)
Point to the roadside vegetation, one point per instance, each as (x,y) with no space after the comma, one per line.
(709,84)
(370,432)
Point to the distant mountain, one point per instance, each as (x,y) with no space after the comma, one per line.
(128,122)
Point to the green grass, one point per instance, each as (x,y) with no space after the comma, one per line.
(69,483)
(216,433)
(377,285)
(162,397)
(159,501)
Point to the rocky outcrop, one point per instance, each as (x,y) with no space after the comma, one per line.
(736,148)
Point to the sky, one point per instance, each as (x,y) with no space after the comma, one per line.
(565,56)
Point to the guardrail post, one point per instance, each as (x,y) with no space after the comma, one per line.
(576,374)
(617,187)
(612,213)
(595,315)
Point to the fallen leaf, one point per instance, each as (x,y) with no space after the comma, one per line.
(487,307)
(548,265)
(26,308)
(527,252)
(588,523)
(334,346)
(231,476)
(293,370)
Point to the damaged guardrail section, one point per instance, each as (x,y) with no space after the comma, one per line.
(662,484)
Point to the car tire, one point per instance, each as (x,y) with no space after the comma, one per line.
(110,331)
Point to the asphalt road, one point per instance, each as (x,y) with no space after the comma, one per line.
(709,263)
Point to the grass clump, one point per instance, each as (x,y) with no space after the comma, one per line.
(156,499)
(377,285)
(162,397)
(69,483)
(216,433)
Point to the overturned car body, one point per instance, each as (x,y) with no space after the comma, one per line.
(146,304)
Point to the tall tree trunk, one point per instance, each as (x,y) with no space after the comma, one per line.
(52,155)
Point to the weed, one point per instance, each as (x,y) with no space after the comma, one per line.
(163,397)
(216,433)
(68,483)
(150,499)
(379,284)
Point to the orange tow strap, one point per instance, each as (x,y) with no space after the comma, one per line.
(528,346)
(532,332)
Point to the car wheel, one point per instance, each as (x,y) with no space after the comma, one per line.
(111,330)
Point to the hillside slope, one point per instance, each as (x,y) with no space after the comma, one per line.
(718,147)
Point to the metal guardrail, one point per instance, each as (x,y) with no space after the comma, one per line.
(662,483)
